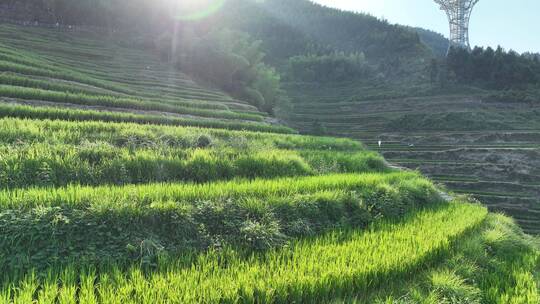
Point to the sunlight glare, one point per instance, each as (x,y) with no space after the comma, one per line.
(192,10)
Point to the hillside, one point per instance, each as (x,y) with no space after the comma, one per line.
(314,28)
(437,42)
(132,85)
(437,116)
(489,150)
(128,177)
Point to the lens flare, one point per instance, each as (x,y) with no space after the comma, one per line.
(192,10)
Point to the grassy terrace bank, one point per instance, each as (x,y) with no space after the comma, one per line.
(57,113)
(178,107)
(494,263)
(59,153)
(96,164)
(312,270)
(30,131)
(110,224)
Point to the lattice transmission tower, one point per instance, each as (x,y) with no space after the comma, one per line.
(459,14)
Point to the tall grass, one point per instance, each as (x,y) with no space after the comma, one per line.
(22,111)
(41,153)
(139,196)
(99,229)
(99,163)
(7,56)
(59,153)
(14,131)
(516,258)
(20,81)
(495,264)
(313,270)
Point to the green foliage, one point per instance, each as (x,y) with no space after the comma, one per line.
(495,69)
(436,41)
(332,67)
(6,66)
(322,26)
(228,59)
(59,165)
(110,14)
(143,195)
(56,75)
(93,154)
(347,162)
(28,131)
(26,81)
(263,217)
(450,288)
(288,29)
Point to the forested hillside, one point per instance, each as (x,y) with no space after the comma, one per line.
(258,44)
(309,25)
(326,28)
(436,41)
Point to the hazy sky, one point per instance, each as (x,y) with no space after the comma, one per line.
(512,24)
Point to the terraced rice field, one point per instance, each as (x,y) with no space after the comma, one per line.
(336,264)
(124,182)
(488,150)
(54,70)
(106,212)
(111,160)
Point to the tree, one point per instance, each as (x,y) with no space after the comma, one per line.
(228,59)
(433,71)
(494,69)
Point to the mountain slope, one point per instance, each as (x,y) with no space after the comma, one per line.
(489,150)
(101,74)
(436,41)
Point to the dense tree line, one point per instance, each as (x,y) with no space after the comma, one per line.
(436,41)
(532,55)
(494,69)
(336,66)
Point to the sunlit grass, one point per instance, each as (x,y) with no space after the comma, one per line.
(40,112)
(311,270)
